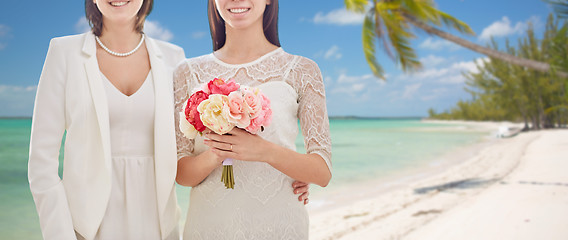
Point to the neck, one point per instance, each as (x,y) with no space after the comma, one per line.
(245,44)
(119,37)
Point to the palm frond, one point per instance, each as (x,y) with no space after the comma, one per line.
(381,36)
(369,49)
(455,23)
(420,9)
(356,5)
(435,16)
(399,35)
(560,7)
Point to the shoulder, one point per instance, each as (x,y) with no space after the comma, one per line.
(186,65)
(69,41)
(172,53)
(304,64)
(66,49)
(71,38)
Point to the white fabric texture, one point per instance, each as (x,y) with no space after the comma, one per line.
(262,205)
(132,210)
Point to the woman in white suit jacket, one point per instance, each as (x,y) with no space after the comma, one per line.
(74,97)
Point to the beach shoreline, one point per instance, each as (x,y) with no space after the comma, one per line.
(397,211)
(401,178)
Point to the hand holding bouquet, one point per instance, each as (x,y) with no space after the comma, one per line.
(220,106)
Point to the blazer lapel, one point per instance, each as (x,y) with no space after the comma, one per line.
(164,131)
(98,94)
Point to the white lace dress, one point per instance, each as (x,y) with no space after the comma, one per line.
(262,205)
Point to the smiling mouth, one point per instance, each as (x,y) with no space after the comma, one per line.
(118,4)
(239,10)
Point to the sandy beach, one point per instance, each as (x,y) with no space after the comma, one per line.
(503,188)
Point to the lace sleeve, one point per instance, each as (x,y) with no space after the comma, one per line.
(181,94)
(312,111)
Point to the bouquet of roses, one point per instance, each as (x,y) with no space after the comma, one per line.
(220,106)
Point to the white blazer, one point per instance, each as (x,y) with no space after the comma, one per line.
(71,98)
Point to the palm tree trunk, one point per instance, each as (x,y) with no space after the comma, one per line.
(540,66)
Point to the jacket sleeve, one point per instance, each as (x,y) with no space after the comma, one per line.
(48,126)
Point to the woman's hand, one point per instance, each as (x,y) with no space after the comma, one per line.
(238,144)
(241,145)
(303,189)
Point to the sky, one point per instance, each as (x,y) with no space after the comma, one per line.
(321,30)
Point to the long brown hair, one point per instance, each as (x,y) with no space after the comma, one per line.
(95,17)
(217,24)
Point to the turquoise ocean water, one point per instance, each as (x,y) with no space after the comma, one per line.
(362,150)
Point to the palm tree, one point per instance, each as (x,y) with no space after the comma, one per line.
(560,7)
(390,21)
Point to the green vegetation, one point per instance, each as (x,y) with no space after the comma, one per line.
(504,91)
(560,7)
(391,23)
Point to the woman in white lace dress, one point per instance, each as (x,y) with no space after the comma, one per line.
(261,205)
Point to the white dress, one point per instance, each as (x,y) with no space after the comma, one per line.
(132,211)
(262,205)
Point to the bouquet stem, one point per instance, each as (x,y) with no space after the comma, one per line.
(227,176)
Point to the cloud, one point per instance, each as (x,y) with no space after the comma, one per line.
(155,30)
(354,90)
(343,78)
(339,17)
(449,74)
(358,88)
(432,60)
(438,44)
(4,33)
(411,90)
(436,84)
(82,25)
(434,94)
(198,35)
(17,100)
(332,53)
(501,28)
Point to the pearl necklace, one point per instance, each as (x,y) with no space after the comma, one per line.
(120,54)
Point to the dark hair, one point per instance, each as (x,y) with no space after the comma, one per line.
(95,17)
(217,24)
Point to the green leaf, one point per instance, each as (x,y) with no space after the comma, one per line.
(399,34)
(356,5)
(447,19)
(560,7)
(420,9)
(368,37)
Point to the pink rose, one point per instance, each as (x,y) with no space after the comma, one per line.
(237,113)
(263,119)
(191,113)
(267,117)
(253,103)
(254,126)
(257,123)
(219,86)
(265,101)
